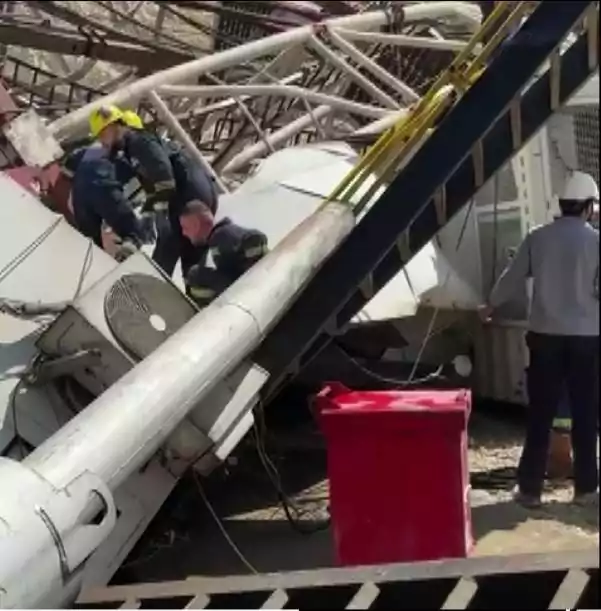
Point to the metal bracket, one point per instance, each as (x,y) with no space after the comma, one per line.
(49,532)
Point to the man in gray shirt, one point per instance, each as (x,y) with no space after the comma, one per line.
(562,258)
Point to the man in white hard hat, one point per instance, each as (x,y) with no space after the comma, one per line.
(559,466)
(562,258)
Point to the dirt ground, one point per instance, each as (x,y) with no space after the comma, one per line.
(186,538)
(501,526)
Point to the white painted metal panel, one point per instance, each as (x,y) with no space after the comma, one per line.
(588,94)
(50,271)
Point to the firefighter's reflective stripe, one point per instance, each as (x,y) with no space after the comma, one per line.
(132,188)
(255,251)
(200,292)
(563,424)
(249,253)
(160,206)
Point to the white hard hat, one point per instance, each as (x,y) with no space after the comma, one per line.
(580,187)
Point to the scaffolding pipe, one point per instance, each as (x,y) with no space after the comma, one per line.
(381,125)
(286,91)
(376,70)
(373,90)
(402,40)
(182,136)
(276,139)
(75,123)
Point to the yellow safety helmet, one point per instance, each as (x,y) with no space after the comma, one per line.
(102,117)
(132,119)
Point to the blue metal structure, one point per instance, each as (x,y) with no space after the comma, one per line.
(481,133)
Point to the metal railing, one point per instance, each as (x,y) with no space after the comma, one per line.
(524,581)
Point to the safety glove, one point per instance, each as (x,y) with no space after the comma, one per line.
(125,249)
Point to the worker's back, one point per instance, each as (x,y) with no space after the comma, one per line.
(192,181)
(97,196)
(89,165)
(158,162)
(235,249)
(564,264)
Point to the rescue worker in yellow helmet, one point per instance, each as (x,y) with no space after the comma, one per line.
(68,167)
(147,216)
(97,193)
(132,119)
(171,179)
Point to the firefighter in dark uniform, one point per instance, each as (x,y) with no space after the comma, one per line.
(170,179)
(97,193)
(124,173)
(233,249)
(70,161)
(61,192)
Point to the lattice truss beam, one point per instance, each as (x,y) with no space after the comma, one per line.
(335,78)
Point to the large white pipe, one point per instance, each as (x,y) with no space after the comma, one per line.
(123,428)
(75,123)
(49,498)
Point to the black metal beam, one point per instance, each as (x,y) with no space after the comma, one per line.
(482,115)
(70,42)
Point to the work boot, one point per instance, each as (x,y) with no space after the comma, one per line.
(559,464)
(125,250)
(588,499)
(528,501)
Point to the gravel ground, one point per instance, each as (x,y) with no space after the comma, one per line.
(185,539)
(501,526)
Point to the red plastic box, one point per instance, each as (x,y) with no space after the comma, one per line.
(398,471)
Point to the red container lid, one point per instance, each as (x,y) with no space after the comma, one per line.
(336,403)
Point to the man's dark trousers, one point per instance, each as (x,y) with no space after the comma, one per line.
(557,362)
(172,245)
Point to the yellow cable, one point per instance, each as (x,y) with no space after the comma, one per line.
(442,80)
(401,137)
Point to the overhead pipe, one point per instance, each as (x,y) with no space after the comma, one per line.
(289,91)
(275,139)
(75,123)
(402,40)
(370,88)
(182,136)
(407,93)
